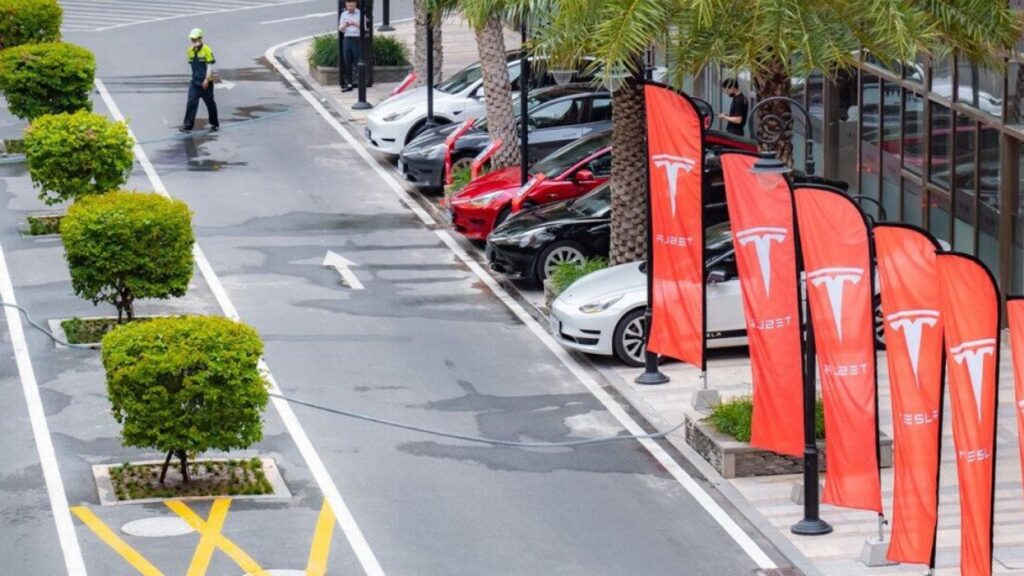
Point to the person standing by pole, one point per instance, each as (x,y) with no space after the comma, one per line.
(736,119)
(200,58)
(348,25)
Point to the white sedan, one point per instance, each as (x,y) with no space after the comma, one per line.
(603,312)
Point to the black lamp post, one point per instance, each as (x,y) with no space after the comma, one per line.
(524,90)
(811,524)
(780,132)
(385,25)
(361,103)
(430,71)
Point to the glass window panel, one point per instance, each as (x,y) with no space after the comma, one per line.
(1017,271)
(915,70)
(1015,98)
(965,180)
(939,140)
(870,117)
(913,131)
(938,215)
(942,77)
(891,136)
(989,178)
(979,87)
(911,202)
(891,197)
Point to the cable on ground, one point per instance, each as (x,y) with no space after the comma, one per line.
(49,335)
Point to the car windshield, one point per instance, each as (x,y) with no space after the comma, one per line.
(566,157)
(595,203)
(531,101)
(462,79)
(717,240)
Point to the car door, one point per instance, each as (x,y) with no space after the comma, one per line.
(553,125)
(582,178)
(724,301)
(598,114)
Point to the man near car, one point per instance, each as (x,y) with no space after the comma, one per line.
(348,25)
(736,119)
(200,58)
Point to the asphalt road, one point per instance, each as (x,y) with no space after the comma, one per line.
(426,342)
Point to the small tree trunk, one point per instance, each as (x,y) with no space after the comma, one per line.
(775,119)
(501,122)
(167,464)
(183,456)
(629,175)
(420,45)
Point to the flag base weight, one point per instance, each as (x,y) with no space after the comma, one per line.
(808,527)
(873,554)
(650,378)
(705,400)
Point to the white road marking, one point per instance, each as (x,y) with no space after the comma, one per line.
(97,16)
(344,267)
(293,18)
(347,522)
(685,480)
(40,430)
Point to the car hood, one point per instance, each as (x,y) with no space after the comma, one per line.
(621,279)
(435,138)
(545,215)
(504,179)
(405,101)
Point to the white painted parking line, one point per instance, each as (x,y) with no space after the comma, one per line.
(346,521)
(40,429)
(98,16)
(685,480)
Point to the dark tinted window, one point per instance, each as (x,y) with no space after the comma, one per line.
(600,109)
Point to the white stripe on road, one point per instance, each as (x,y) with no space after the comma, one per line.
(347,522)
(293,18)
(688,483)
(40,430)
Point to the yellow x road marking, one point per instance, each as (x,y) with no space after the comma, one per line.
(211,539)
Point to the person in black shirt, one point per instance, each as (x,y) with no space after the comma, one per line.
(736,119)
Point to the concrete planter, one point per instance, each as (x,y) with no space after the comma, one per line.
(550,292)
(735,459)
(325,75)
(328,75)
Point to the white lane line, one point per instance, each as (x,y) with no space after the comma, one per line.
(293,18)
(40,430)
(685,480)
(347,522)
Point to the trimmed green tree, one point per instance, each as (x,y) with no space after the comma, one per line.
(29,21)
(46,78)
(123,246)
(186,385)
(75,155)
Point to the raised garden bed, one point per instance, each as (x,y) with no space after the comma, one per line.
(13,147)
(43,225)
(139,482)
(735,459)
(87,331)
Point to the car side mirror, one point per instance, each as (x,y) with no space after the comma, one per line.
(717,276)
(583,176)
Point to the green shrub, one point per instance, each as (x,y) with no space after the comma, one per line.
(186,385)
(123,246)
(74,155)
(460,178)
(387,51)
(46,78)
(733,416)
(390,51)
(568,272)
(29,21)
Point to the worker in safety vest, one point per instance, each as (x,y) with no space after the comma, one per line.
(200,57)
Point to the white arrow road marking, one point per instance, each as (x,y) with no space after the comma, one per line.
(344,267)
(226,84)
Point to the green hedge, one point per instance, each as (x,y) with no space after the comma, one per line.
(74,155)
(29,21)
(123,246)
(568,272)
(46,78)
(733,417)
(186,385)
(387,51)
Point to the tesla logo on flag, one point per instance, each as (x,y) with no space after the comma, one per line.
(672,165)
(911,323)
(762,238)
(973,354)
(834,279)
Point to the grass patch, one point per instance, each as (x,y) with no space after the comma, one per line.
(90,330)
(733,418)
(207,478)
(568,272)
(43,225)
(14,146)
(460,178)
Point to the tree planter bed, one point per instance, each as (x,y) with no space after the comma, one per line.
(90,330)
(735,459)
(42,225)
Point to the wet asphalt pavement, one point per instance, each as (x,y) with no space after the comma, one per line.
(426,343)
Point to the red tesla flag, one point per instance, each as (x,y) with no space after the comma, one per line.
(761,218)
(913,335)
(970,318)
(1015,311)
(675,148)
(837,263)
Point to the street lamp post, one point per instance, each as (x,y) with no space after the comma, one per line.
(524,90)
(780,132)
(430,71)
(385,25)
(361,103)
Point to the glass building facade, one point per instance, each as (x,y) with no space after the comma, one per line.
(937,142)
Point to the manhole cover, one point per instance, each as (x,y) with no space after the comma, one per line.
(157,527)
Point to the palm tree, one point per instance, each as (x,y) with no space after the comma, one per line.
(775,40)
(420,12)
(487,18)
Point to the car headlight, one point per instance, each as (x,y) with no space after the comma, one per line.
(435,152)
(396,115)
(600,305)
(481,201)
(533,237)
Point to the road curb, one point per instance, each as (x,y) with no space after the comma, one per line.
(647,414)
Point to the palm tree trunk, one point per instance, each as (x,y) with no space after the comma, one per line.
(501,123)
(420,45)
(774,119)
(629,175)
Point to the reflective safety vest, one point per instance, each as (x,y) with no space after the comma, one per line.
(200,58)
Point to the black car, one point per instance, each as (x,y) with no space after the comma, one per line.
(556,116)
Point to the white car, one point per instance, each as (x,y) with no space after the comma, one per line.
(603,312)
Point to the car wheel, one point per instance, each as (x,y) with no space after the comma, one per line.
(879,325)
(462,162)
(558,253)
(628,338)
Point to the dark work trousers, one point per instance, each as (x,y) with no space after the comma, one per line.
(350,53)
(194,94)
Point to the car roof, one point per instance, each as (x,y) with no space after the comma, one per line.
(549,93)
